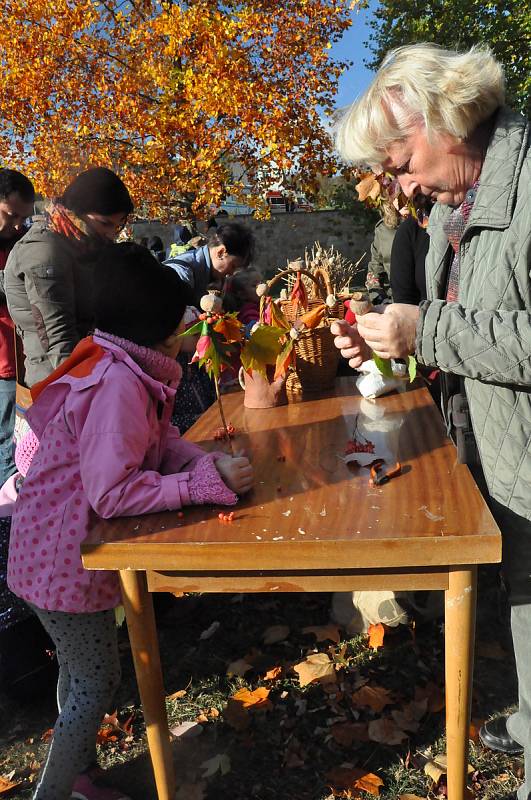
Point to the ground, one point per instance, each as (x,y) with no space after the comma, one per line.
(287,741)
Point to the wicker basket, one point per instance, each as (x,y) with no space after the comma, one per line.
(316,357)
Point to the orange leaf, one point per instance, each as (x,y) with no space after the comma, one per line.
(47,735)
(386,731)
(256,699)
(376,635)
(6,785)
(299,295)
(375,697)
(230,328)
(312,318)
(273,674)
(368,187)
(351,778)
(317,667)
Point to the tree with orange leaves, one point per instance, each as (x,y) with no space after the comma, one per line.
(169,94)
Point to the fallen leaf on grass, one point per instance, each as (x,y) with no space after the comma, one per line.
(273,673)
(411,797)
(317,667)
(386,731)
(275,633)
(191,791)
(376,635)
(187,730)
(256,699)
(473,731)
(375,697)
(437,766)
(408,718)
(47,735)
(177,695)
(344,733)
(219,763)
(6,784)
(352,778)
(239,668)
(324,633)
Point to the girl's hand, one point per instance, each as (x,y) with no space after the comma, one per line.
(237,473)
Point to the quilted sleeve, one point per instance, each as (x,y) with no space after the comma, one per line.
(491,346)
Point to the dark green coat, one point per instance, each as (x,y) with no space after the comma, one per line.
(485,336)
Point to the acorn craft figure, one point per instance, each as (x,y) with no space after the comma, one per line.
(220,335)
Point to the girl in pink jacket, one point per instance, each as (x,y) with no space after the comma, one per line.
(106,449)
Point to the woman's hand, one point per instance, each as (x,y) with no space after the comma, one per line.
(348,340)
(237,473)
(393,333)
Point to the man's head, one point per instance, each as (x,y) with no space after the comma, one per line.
(17,196)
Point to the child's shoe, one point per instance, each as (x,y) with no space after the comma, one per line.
(85,789)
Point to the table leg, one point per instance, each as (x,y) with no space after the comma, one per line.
(460,616)
(140,617)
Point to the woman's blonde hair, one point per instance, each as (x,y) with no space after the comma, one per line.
(421,84)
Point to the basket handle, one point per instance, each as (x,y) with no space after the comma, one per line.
(323,283)
(317,284)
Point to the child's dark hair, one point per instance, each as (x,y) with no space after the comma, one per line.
(98,190)
(235,286)
(237,239)
(136,297)
(13,181)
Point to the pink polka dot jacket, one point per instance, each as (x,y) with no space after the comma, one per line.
(106,449)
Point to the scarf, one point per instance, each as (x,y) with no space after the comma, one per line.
(454,228)
(64,222)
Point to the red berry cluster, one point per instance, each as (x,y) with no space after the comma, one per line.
(220,434)
(210,318)
(355,446)
(226,517)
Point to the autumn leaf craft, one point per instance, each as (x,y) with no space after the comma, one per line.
(272,340)
(220,335)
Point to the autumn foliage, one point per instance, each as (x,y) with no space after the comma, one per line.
(169,94)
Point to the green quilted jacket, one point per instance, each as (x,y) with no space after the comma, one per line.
(485,336)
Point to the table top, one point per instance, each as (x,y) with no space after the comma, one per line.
(309,509)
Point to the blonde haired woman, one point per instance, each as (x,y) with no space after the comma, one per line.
(435,118)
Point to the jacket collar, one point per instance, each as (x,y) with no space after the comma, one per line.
(500,174)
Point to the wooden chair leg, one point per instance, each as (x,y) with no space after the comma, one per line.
(460,615)
(140,618)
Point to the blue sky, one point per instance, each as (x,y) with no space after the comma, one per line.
(356,79)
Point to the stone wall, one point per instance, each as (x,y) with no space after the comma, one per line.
(284,237)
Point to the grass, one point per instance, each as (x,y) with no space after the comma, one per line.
(287,751)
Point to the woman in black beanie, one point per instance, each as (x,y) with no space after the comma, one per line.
(50,271)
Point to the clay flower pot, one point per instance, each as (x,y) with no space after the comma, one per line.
(263,392)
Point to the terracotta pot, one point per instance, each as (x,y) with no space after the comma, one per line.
(261,392)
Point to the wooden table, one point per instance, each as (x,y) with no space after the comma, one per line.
(312,524)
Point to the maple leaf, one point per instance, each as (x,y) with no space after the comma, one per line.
(317,667)
(261,349)
(344,733)
(386,731)
(256,699)
(376,635)
(230,328)
(7,785)
(275,633)
(351,778)
(219,763)
(375,697)
(409,716)
(324,632)
(368,187)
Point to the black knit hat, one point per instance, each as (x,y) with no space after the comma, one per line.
(97,190)
(136,297)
